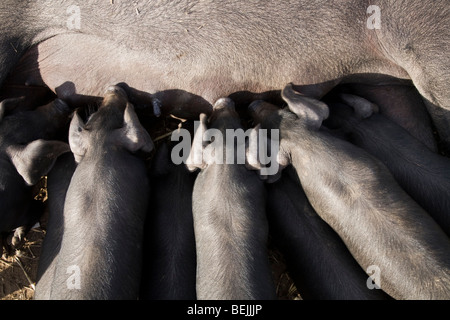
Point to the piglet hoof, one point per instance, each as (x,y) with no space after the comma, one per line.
(311,110)
(362,107)
(17,238)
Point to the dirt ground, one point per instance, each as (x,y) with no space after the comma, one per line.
(14,284)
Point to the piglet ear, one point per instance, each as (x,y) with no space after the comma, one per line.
(363,108)
(310,110)
(9,104)
(36,159)
(257,146)
(76,137)
(195,159)
(133,135)
(283,160)
(252,149)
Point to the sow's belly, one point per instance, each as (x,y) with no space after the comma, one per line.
(77,66)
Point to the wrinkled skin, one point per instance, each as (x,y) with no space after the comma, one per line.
(231,231)
(317,259)
(357,196)
(105,206)
(169,270)
(422,173)
(189,54)
(25,156)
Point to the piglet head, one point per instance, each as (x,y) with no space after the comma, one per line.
(215,138)
(27,152)
(264,152)
(34,159)
(115,125)
(302,113)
